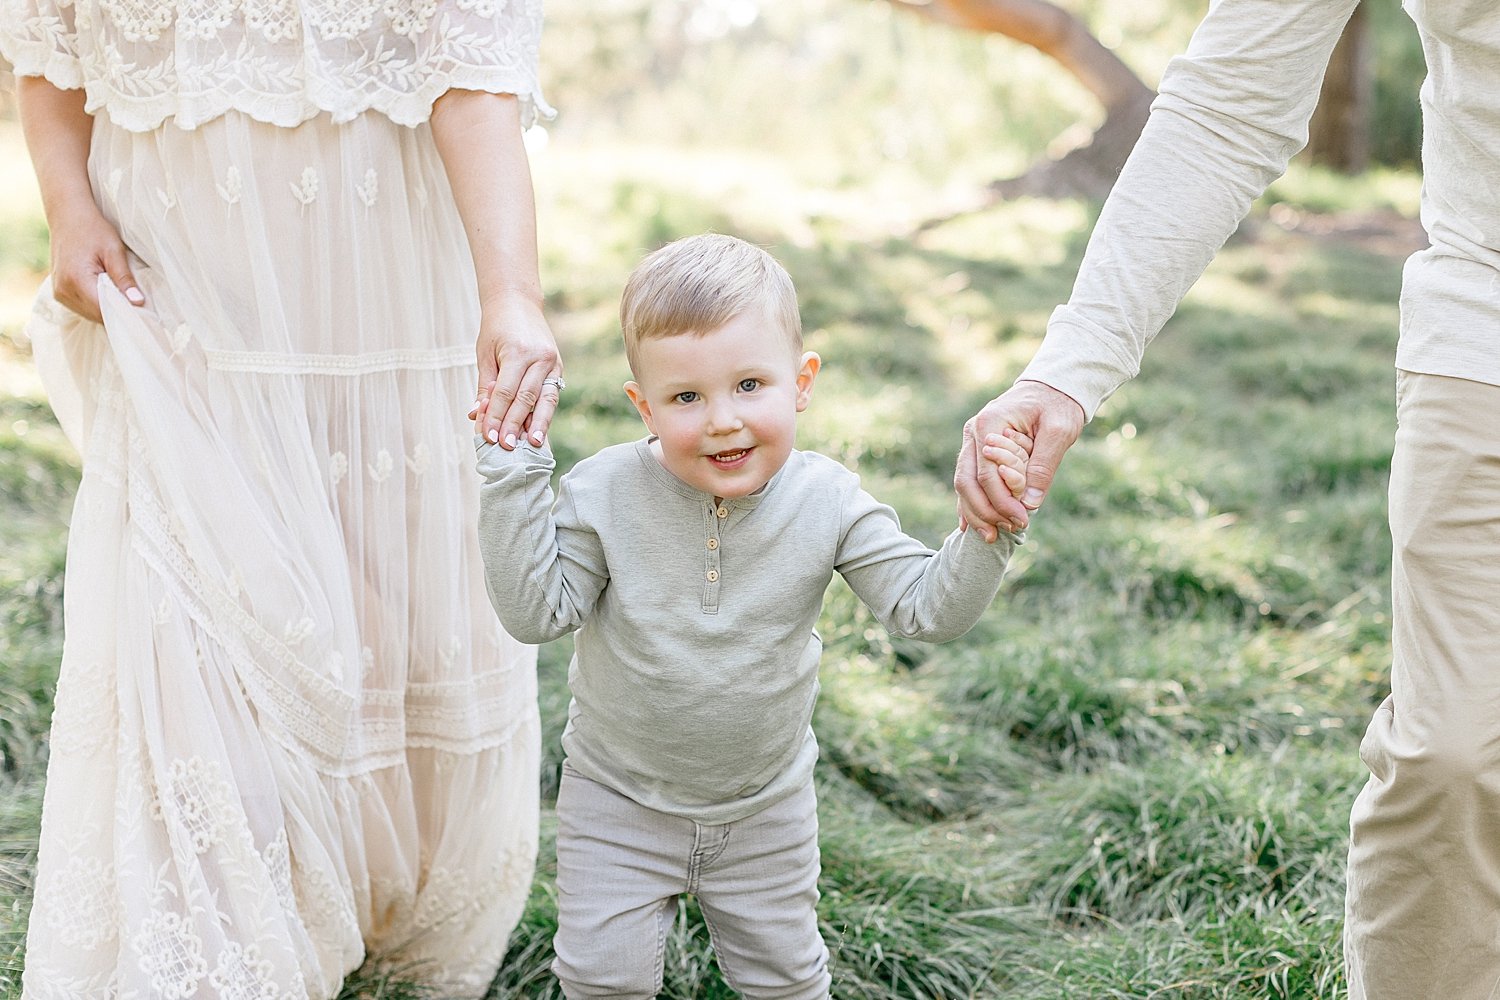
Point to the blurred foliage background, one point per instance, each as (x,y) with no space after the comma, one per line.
(1133,778)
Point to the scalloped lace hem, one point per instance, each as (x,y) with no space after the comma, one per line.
(190,111)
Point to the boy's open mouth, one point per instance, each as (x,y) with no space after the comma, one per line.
(730,458)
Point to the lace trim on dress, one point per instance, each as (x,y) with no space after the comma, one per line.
(276,363)
(278,61)
(306,709)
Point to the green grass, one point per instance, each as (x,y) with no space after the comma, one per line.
(1133,778)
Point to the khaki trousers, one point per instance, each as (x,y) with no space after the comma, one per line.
(621,867)
(1423,904)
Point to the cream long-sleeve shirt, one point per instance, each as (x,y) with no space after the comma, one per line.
(1231,113)
(696,665)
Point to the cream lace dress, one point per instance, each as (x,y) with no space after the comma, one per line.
(288,729)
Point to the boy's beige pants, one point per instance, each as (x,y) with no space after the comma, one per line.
(1423,905)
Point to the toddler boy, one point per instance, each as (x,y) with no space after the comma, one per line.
(693,564)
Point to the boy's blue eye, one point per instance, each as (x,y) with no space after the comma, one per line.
(749,384)
(686,397)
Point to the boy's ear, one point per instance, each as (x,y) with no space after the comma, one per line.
(806,375)
(642,405)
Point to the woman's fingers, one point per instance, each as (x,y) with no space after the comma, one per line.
(517,400)
(116,264)
(541,417)
(481,406)
(83,250)
(517,354)
(489,370)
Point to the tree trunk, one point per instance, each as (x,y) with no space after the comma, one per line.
(1339,133)
(1089,168)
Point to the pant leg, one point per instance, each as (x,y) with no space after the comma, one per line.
(1423,905)
(620,869)
(759,896)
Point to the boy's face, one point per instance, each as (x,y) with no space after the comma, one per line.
(724,405)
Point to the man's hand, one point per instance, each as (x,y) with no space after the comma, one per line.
(1050,418)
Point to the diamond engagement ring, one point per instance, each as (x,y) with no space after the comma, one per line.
(557,381)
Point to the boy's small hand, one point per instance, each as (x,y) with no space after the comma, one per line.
(1009,452)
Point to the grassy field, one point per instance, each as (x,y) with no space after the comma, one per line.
(1133,778)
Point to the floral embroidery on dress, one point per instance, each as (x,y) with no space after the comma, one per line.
(232,187)
(204,18)
(83,891)
(326,907)
(338,466)
(198,803)
(139,20)
(341,18)
(276,20)
(384,464)
(241,974)
(448,896)
(278,860)
(448,654)
(84,710)
(306,191)
(419,460)
(171,953)
(296,632)
(369,189)
(280,61)
(410,18)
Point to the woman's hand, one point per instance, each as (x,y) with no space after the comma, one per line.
(520,372)
(84,243)
(478,135)
(84,246)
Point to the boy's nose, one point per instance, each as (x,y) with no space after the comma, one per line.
(723,418)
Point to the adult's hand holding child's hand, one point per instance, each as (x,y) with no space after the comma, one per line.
(520,373)
(1048,421)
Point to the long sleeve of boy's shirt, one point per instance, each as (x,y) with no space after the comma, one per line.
(695,665)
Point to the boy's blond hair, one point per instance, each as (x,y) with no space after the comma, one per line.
(697,284)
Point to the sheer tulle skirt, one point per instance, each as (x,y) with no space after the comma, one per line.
(288,728)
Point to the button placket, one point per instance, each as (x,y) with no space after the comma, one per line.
(713,518)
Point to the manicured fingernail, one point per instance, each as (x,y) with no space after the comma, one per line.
(494,436)
(135,296)
(1033,497)
(510,440)
(536,439)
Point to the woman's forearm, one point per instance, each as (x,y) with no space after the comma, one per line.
(84,243)
(57,133)
(478,136)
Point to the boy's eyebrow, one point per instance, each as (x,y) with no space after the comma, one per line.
(753,370)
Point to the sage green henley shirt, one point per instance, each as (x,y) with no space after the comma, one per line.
(695,667)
